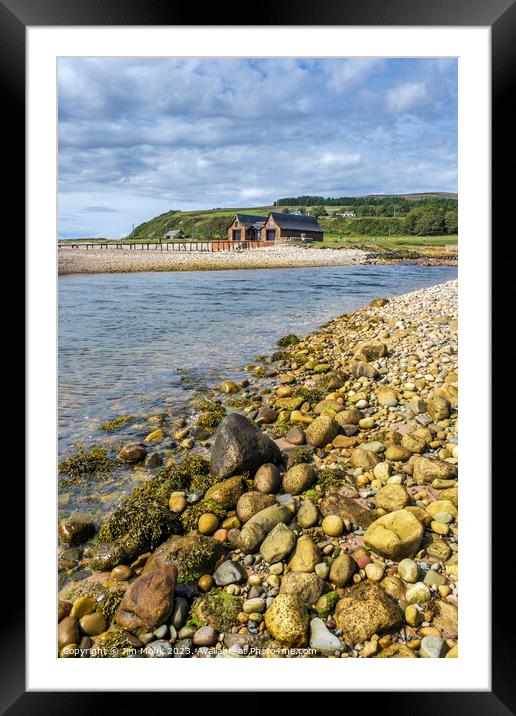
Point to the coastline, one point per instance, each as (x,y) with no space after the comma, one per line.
(92,261)
(389,371)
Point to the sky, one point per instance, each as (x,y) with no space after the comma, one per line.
(141,136)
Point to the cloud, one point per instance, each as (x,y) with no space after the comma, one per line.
(138,137)
(406,96)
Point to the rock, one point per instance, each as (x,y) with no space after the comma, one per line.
(177,503)
(227,386)
(350,416)
(446,616)
(374,571)
(226,493)
(414,443)
(93,624)
(342,570)
(417,593)
(438,549)
(322,570)
(438,408)
(253,605)
(322,640)
(328,406)
(360,368)
(257,528)
(434,508)
(229,572)
(251,503)
(392,497)
(396,651)
(287,620)
(132,453)
(382,471)
(379,302)
(369,351)
(267,479)
(159,649)
(298,479)
(83,606)
(395,535)
(306,556)
(296,436)
(241,447)
(67,632)
(179,612)
(278,543)
(347,509)
(75,530)
(153,459)
(366,459)
(408,570)
(326,604)
(321,431)
(148,601)
(432,647)
(155,436)
(394,587)
(183,649)
(266,416)
(397,453)
(307,515)
(205,636)
(426,469)
(192,554)
(387,397)
(366,610)
(332,525)
(306,585)
(208,523)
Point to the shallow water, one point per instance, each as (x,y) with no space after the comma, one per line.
(134,343)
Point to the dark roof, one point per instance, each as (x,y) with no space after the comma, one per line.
(296,222)
(250,220)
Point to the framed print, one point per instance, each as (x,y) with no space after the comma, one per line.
(258,263)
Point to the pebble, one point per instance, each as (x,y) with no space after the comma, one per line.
(432,647)
(159,649)
(205,636)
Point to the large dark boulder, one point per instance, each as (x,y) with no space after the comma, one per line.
(241,447)
(148,601)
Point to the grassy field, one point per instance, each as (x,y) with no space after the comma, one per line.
(430,245)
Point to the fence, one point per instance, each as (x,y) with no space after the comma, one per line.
(210,245)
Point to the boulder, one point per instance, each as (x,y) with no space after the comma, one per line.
(362,369)
(148,601)
(392,497)
(426,469)
(278,543)
(366,459)
(287,620)
(192,554)
(307,554)
(307,514)
(395,535)
(75,530)
(306,585)
(321,431)
(132,453)
(298,479)
(322,640)
(240,447)
(342,569)
(258,527)
(348,509)
(371,350)
(251,503)
(366,610)
(267,479)
(227,492)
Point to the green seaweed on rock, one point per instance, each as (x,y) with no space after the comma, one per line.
(92,464)
(190,517)
(108,604)
(217,609)
(110,426)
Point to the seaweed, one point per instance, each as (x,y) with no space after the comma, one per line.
(217,609)
(115,643)
(110,426)
(299,455)
(280,355)
(332,477)
(108,604)
(92,464)
(190,517)
(311,394)
(211,415)
(289,340)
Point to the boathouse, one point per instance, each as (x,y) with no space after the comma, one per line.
(246,227)
(284,227)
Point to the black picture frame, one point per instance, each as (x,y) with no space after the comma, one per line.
(15,17)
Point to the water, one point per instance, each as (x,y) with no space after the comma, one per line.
(131,343)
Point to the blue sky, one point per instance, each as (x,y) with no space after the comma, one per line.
(140,136)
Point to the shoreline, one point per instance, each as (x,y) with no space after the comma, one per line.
(385,369)
(96,261)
